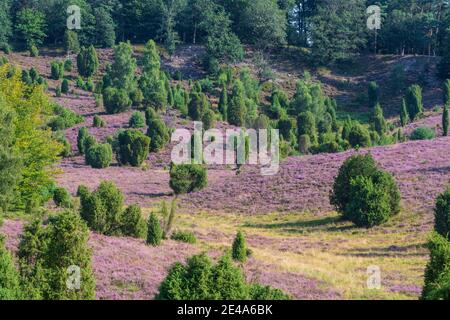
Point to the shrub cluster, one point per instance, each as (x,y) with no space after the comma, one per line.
(133,147)
(64,118)
(184,236)
(423,133)
(188,178)
(200,279)
(103,211)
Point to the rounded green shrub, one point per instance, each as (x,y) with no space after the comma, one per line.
(369,204)
(359,136)
(423,133)
(10,288)
(188,178)
(99,156)
(364,194)
(133,147)
(62,198)
(116,100)
(137,120)
(57,70)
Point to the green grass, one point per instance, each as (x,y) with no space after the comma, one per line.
(327,249)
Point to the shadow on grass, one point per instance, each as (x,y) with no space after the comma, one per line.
(334,223)
(390,251)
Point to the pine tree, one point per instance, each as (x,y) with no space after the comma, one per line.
(223,103)
(87,62)
(414,101)
(239,250)
(123,69)
(404,117)
(105,33)
(71,43)
(236,108)
(379,121)
(446,90)
(445,120)
(154,231)
(373,94)
(306,125)
(9,277)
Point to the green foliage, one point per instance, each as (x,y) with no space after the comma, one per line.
(379,122)
(209,119)
(304,143)
(67,147)
(87,62)
(306,125)
(404,116)
(198,104)
(65,86)
(446,91)
(423,133)
(187,178)
(57,70)
(99,156)
(223,103)
(64,118)
(154,231)
(132,222)
(137,120)
(201,280)
(355,166)
(45,255)
(62,198)
(102,209)
(30,26)
(236,108)
(437,281)
(105,33)
(159,134)
(445,120)
(359,136)
(364,194)
(373,94)
(121,75)
(369,204)
(264,293)
(98,122)
(348,20)
(442,214)
(184,236)
(71,43)
(239,249)
(82,134)
(9,277)
(414,101)
(116,100)
(133,147)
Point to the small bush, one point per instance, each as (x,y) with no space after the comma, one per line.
(65,86)
(437,273)
(57,70)
(137,120)
(99,156)
(239,249)
(64,119)
(359,136)
(98,122)
(133,147)
(188,178)
(10,288)
(62,198)
(154,231)
(158,133)
(67,147)
(442,214)
(423,133)
(116,100)
(34,51)
(132,223)
(68,65)
(82,134)
(264,293)
(184,236)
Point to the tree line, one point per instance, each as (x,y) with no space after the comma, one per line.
(224,26)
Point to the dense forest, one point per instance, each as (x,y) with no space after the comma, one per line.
(332,29)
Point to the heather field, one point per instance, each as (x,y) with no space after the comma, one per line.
(298,242)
